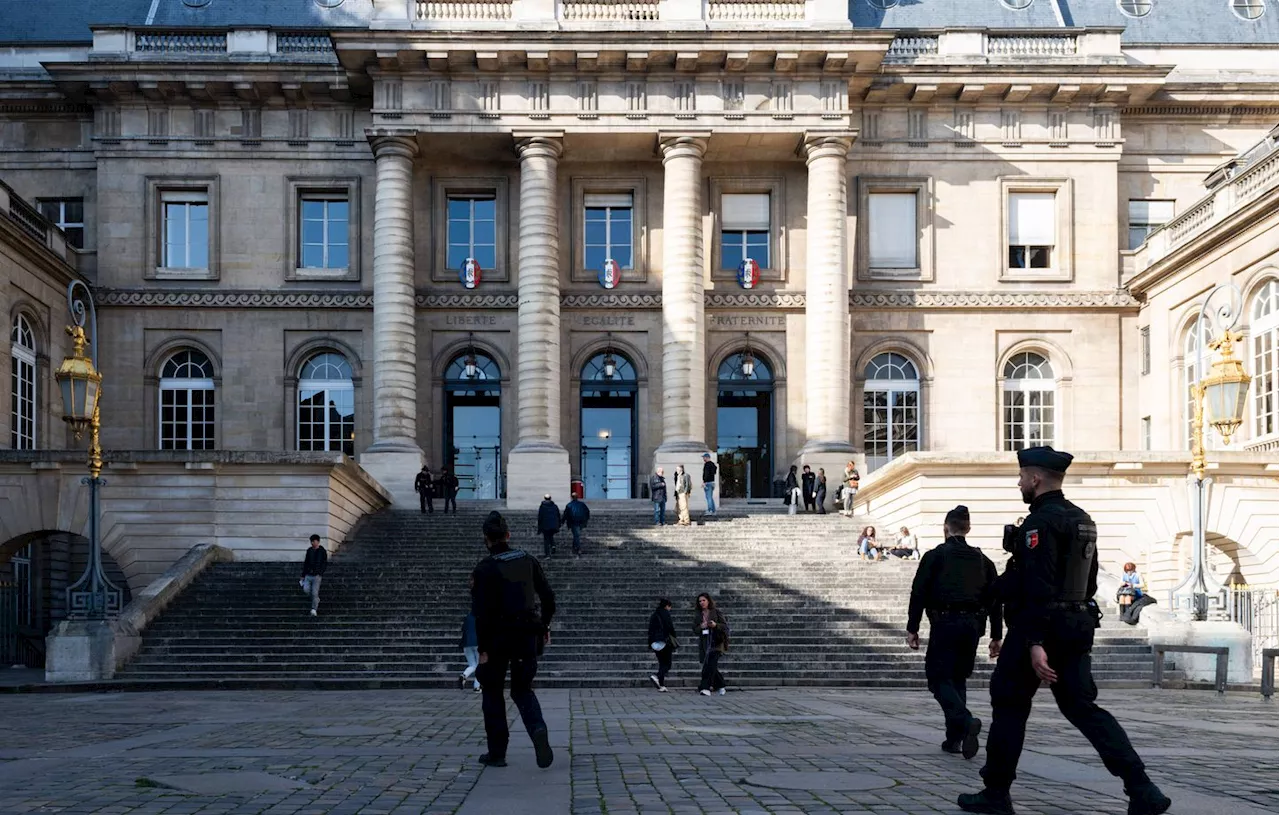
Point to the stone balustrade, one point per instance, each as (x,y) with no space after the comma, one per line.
(983,47)
(488,10)
(749,11)
(28,219)
(1032,45)
(180,42)
(607,10)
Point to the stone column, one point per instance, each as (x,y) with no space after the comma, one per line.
(394,457)
(684,380)
(539,463)
(827,323)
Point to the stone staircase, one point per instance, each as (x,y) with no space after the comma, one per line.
(802,608)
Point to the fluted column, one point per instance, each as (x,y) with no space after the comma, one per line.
(827,325)
(394,456)
(539,463)
(683,332)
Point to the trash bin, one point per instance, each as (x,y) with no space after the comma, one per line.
(577,489)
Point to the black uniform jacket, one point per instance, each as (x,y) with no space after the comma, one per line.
(512,601)
(316,561)
(1057,557)
(955,577)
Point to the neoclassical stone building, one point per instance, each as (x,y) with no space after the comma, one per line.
(541,241)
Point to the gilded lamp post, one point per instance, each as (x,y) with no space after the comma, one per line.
(1219,398)
(93,596)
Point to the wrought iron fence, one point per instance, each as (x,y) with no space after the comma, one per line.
(17,646)
(1258,610)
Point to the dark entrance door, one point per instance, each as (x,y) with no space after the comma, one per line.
(608,427)
(473,427)
(744,428)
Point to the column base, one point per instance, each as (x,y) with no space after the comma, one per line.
(395,469)
(534,472)
(87,650)
(832,461)
(692,460)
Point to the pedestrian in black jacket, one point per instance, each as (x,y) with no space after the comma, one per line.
(548,524)
(449,486)
(576,516)
(662,639)
(807,482)
(426,489)
(513,605)
(658,495)
(313,566)
(956,585)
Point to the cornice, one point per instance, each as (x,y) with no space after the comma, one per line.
(764,299)
(1117,298)
(611,301)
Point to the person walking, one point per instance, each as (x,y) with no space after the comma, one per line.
(450,487)
(851,481)
(470,645)
(820,492)
(511,630)
(684,488)
(662,639)
(576,516)
(807,482)
(713,642)
(425,487)
(792,490)
(313,566)
(709,482)
(1049,640)
(955,585)
(658,495)
(548,524)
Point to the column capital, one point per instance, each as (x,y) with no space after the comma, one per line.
(827,145)
(403,145)
(539,145)
(683,145)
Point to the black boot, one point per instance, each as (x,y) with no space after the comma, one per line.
(969,746)
(988,801)
(951,747)
(493,761)
(1147,799)
(542,748)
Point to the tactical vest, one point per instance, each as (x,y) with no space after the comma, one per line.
(1077,548)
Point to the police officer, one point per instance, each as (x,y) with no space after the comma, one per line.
(955,583)
(1050,636)
(511,633)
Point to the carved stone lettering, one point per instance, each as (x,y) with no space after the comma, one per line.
(471,319)
(605,320)
(748,321)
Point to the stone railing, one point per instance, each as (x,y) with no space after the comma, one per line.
(750,11)
(180,42)
(906,48)
(1056,45)
(486,11)
(303,44)
(1266,444)
(1260,176)
(607,10)
(29,220)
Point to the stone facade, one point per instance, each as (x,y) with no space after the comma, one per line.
(821,122)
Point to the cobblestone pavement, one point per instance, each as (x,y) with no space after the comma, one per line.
(625,751)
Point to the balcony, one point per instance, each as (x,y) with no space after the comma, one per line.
(968,47)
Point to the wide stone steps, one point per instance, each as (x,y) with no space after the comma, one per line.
(804,610)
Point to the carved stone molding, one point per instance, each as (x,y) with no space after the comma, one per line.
(233,299)
(757,300)
(611,301)
(468,301)
(961,299)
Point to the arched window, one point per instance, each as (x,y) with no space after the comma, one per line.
(1189,351)
(890,409)
(486,379)
(1029,389)
(187,402)
(1264,332)
(1135,8)
(1248,9)
(597,371)
(23,356)
(732,369)
(327,405)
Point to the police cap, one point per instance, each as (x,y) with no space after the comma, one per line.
(959,515)
(1046,458)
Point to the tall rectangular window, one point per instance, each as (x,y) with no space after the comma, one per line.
(1146,217)
(1146,432)
(186,417)
(744,229)
(608,229)
(185,229)
(324,232)
(68,215)
(893,233)
(1032,229)
(1144,343)
(472,230)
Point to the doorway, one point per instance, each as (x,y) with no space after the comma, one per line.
(744,426)
(473,425)
(608,416)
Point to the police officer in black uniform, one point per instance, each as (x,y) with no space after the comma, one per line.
(956,584)
(1049,640)
(511,633)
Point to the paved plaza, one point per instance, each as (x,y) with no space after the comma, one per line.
(624,751)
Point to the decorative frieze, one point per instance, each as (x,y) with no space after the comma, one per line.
(1018,300)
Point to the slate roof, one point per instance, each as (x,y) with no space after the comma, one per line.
(1170,21)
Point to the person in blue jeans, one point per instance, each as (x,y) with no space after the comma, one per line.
(658,495)
(709,482)
(576,516)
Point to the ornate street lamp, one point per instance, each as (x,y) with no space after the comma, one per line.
(1222,395)
(469,365)
(610,364)
(748,360)
(93,596)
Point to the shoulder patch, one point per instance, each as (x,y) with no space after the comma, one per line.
(1033,539)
